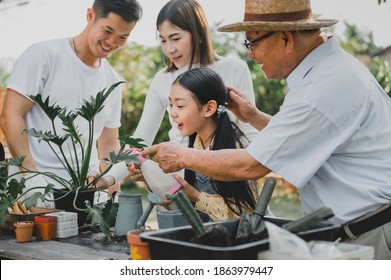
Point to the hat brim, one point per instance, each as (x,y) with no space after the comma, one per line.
(277,26)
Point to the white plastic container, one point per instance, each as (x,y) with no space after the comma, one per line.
(160,183)
(341,251)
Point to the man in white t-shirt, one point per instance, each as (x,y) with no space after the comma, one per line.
(331,137)
(69,70)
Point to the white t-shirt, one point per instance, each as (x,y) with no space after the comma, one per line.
(233,71)
(52,69)
(332,135)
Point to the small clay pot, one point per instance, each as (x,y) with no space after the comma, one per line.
(46,227)
(138,250)
(24,231)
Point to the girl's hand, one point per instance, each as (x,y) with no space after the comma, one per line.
(192,193)
(135,172)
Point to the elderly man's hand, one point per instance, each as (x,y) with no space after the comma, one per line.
(168,155)
(239,104)
(245,111)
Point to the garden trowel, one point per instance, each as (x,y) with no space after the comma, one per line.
(251,225)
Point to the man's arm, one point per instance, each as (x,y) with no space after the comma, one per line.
(108,142)
(12,121)
(225,165)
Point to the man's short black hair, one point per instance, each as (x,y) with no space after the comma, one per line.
(129,10)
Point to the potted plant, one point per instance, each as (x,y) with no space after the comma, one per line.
(76,165)
(24,231)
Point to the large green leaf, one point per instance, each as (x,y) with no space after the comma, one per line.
(17,161)
(96,217)
(52,111)
(15,187)
(69,125)
(33,199)
(109,211)
(3,210)
(125,156)
(47,136)
(132,142)
(93,106)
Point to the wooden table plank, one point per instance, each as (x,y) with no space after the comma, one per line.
(54,250)
(86,246)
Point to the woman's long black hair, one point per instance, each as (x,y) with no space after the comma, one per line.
(206,85)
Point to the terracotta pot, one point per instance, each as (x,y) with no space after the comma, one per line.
(24,231)
(46,227)
(138,250)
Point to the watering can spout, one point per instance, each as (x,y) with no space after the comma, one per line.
(153,200)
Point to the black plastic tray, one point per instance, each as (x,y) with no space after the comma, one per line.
(174,244)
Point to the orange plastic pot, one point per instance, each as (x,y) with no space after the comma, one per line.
(138,250)
(24,231)
(46,227)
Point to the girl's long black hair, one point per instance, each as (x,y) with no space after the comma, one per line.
(206,85)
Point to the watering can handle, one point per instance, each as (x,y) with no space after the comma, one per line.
(264,198)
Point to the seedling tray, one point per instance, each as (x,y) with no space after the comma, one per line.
(174,244)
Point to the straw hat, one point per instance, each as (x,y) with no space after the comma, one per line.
(277,15)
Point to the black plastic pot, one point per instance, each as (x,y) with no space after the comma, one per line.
(174,244)
(66,203)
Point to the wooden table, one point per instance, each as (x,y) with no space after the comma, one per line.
(88,245)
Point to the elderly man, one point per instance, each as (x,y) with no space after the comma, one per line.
(331,137)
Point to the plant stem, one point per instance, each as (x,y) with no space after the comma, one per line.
(85,164)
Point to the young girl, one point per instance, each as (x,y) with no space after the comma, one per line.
(197,101)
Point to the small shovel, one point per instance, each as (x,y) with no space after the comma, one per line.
(251,225)
(304,223)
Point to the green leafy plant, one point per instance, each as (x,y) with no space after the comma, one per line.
(75,164)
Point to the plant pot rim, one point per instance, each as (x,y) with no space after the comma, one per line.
(133,236)
(21,223)
(45,219)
